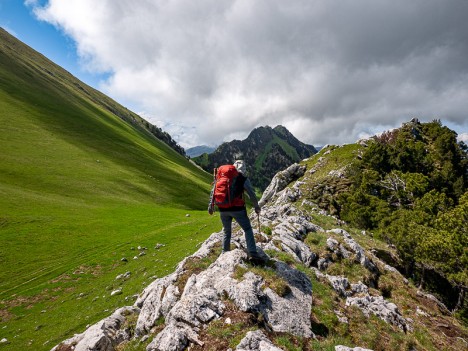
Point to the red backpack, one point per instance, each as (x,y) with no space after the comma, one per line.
(229,187)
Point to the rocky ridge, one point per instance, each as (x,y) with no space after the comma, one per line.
(188,308)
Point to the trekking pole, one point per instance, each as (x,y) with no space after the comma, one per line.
(213,190)
(258,221)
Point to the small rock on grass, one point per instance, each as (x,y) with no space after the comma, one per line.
(346,348)
(125,275)
(116,292)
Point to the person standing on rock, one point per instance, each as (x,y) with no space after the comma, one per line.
(227,194)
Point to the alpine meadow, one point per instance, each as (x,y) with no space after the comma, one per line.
(85,188)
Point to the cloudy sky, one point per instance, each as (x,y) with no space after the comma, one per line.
(330,71)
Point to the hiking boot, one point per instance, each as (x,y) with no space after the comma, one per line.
(256,259)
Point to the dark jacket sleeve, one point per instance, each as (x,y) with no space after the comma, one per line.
(249,189)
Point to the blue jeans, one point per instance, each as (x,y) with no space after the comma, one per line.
(243,220)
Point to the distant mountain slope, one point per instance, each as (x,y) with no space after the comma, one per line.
(266,151)
(54,74)
(42,104)
(199,150)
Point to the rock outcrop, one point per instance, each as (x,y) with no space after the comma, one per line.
(385,310)
(256,341)
(281,180)
(104,335)
(202,301)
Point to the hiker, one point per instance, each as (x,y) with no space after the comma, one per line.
(231,205)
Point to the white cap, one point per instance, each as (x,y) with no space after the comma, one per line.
(240,166)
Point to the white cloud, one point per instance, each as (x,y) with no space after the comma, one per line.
(329,71)
(31,2)
(463,137)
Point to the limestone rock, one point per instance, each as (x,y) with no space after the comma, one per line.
(174,337)
(345,348)
(201,301)
(196,308)
(291,231)
(340,284)
(357,249)
(281,180)
(206,246)
(104,335)
(332,244)
(377,305)
(256,341)
(421,312)
(297,225)
(116,292)
(290,313)
(124,276)
(300,251)
(391,269)
(338,173)
(247,293)
(341,317)
(156,302)
(323,263)
(344,252)
(430,297)
(160,297)
(359,288)
(289,195)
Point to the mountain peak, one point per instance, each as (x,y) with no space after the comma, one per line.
(281,129)
(266,151)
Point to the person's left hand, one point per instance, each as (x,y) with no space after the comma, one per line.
(257,210)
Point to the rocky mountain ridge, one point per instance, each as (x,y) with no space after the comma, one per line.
(266,151)
(318,282)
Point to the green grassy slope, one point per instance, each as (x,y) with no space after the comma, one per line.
(288,149)
(79,187)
